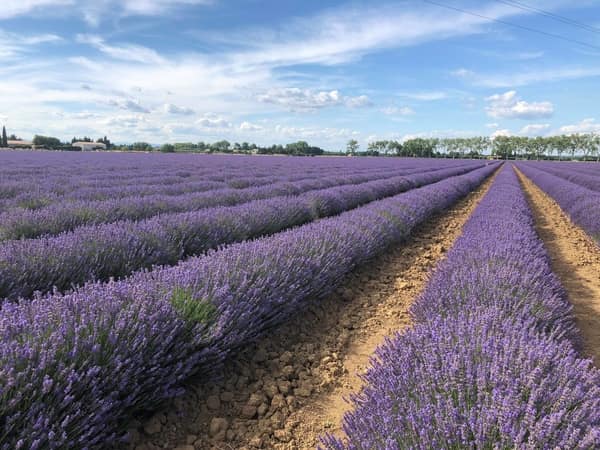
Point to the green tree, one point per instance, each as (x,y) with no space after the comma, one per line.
(46,141)
(4,138)
(352,146)
(167,148)
(221,146)
(502,146)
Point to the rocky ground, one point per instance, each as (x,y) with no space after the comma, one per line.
(290,388)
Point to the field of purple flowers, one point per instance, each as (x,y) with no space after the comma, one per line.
(492,360)
(121,276)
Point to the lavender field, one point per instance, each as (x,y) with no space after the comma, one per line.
(140,293)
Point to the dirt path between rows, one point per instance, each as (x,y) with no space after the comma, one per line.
(575,259)
(289,389)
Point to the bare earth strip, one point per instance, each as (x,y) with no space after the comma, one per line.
(289,389)
(575,259)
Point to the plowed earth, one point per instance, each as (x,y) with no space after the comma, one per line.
(290,388)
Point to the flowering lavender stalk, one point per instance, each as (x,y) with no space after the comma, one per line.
(74,367)
(492,360)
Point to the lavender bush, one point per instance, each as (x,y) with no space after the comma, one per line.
(583,175)
(74,367)
(59,217)
(492,360)
(117,249)
(580,203)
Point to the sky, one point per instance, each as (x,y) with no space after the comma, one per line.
(281,71)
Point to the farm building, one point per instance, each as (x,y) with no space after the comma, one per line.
(19,144)
(89,146)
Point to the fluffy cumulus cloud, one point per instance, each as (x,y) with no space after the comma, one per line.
(501,132)
(297,99)
(510,106)
(211,120)
(588,125)
(247,126)
(534,129)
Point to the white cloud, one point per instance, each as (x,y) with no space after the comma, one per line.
(125,121)
(343,35)
(296,99)
(424,96)
(462,73)
(588,125)
(502,132)
(213,121)
(13,44)
(492,125)
(534,129)
(12,8)
(93,11)
(247,126)
(397,111)
(128,105)
(440,134)
(169,108)
(514,79)
(508,105)
(330,134)
(250,62)
(125,52)
(358,102)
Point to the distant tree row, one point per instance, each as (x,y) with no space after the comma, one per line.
(581,146)
(584,146)
(295,148)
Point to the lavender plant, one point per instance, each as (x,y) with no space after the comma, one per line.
(74,367)
(117,249)
(580,203)
(492,360)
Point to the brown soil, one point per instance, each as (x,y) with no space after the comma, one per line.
(575,259)
(289,388)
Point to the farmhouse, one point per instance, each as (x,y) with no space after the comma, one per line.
(19,144)
(89,146)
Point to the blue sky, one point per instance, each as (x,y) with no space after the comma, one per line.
(280,71)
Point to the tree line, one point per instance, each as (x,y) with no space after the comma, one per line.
(584,146)
(574,146)
(300,148)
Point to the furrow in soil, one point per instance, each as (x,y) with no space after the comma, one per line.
(575,259)
(290,388)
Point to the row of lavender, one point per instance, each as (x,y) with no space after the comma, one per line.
(580,203)
(59,217)
(63,173)
(74,367)
(492,360)
(58,190)
(585,175)
(117,249)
